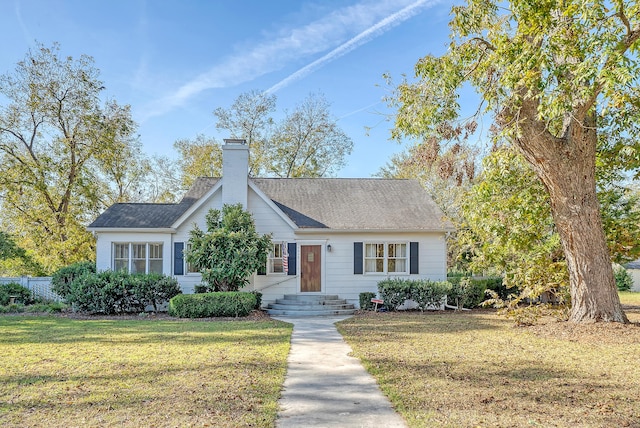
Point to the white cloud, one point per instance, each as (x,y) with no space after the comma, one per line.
(367,19)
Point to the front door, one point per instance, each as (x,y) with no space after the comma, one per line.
(310,268)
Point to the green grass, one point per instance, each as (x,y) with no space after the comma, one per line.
(629,298)
(477,369)
(58,372)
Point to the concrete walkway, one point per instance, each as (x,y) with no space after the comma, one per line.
(324,386)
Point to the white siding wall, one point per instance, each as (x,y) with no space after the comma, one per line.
(105,240)
(338,276)
(341,280)
(635,274)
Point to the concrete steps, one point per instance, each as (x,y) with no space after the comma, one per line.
(300,305)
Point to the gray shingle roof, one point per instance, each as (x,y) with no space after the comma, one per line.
(354,204)
(332,203)
(143,216)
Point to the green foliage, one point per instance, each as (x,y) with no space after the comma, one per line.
(154,289)
(60,148)
(230,250)
(119,292)
(560,81)
(258,299)
(219,304)
(624,280)
(425,293)
(61,280)
(394,292)
(429,294)
(21,294)
(365,300)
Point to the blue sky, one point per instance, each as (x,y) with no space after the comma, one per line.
(175,61)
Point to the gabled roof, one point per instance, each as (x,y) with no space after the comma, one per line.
(339,204)
(354,204)
(152,216)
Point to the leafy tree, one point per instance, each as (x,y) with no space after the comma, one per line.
(554,75)
(14,260)
(201,157)
(230,250)
(249,117)
(57,143)
(308,143)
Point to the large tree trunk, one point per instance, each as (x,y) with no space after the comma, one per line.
(566,166)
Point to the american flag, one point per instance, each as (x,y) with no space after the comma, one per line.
(285,258)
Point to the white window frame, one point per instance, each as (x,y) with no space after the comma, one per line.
(130,259)
(272,259)
(386,258)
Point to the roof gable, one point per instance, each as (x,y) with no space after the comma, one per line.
(339,204)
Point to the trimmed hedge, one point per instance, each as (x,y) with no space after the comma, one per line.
(22,294)
(112,292)
(218,304)
(61,280)
(425,293)
(365,300)
(471,292)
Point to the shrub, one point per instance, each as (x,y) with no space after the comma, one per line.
(111,292)
(63,277)
(428,294)
(22,294)
(394,292)
(154,289)
(365,300)
(258,299)
(624,280)
(205,305)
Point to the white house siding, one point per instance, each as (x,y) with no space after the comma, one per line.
(105,240)
(635,274)
(338,266)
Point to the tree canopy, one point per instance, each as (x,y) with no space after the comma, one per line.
(555,76)
(60,146)
(307,142)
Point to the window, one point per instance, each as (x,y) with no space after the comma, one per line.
(385,258)
(189,268)
(274,262)
(374,258)
(138,257)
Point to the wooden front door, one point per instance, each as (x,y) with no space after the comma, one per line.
(310,268)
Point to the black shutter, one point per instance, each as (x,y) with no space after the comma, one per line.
(178,258)
(357,258)
(413,258)
(291,260)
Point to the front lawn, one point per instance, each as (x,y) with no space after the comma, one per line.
(476,369)
(59,372)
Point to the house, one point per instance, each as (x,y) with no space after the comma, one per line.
(331,236)
(634,269)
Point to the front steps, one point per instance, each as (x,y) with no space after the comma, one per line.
(300,305)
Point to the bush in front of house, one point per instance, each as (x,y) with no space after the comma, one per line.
(365,300)
(624,280)
(154,289)
(470,292)
(206,305)
(394,292)
(118,292)
(61,280)
(428,294)
(22,295)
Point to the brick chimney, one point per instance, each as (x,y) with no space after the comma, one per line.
(235,172)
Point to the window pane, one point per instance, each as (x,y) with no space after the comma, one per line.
(138,266)
(155,266)
(274,264)
(370,265)
(139,251)
(371,250)
(155,251)
(121,265)
(397,265)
